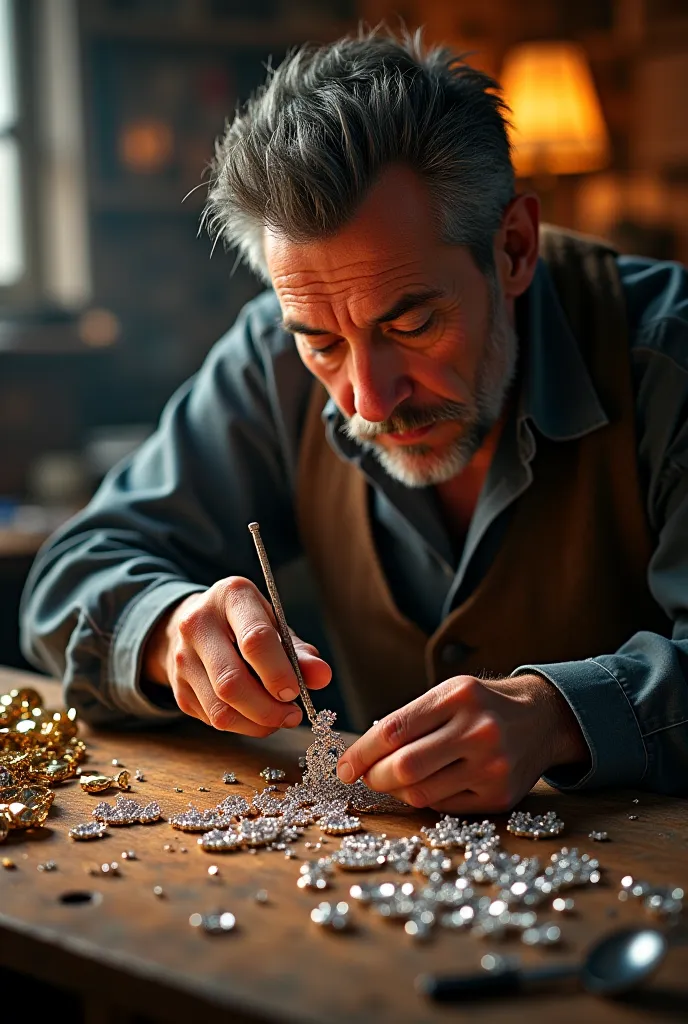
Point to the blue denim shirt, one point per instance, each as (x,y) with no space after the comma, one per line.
(171,520)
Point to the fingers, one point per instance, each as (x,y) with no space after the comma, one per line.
(252,621)
(416,761)
(316,672)
(421,716)
(188,702)
(233,684)
(228,653)
(194,690)
(456,782)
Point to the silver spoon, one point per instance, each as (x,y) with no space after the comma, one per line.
(616,964)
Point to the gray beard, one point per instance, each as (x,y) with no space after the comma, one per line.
(422,466)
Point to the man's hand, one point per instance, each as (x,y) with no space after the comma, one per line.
(222,655)
(468,745)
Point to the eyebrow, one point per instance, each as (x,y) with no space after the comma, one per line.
(404,304)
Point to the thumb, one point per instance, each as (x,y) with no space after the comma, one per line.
(316,672)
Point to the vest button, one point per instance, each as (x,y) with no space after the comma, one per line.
(452,654)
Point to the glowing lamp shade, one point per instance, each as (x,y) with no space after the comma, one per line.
(557,118)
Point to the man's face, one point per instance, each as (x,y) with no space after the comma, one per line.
(410,339)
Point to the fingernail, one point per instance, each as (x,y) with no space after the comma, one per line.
(345,772)
(287,694)
(292,719)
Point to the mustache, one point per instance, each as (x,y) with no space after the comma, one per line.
(406,418)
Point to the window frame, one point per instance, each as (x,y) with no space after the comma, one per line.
(24,293)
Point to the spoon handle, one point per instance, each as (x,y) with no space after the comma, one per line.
(450,988)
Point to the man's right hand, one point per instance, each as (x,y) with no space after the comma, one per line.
(222,655)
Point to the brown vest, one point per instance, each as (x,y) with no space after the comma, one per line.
(570,579)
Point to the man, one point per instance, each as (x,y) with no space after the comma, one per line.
(482,453)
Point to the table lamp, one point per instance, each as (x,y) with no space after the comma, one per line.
(558,123)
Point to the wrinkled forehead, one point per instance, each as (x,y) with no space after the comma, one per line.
(390,242)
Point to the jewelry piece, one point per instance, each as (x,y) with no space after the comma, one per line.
(114,763)
(213,870)
(139,776)
(338,824)
(358,860)
(129,855)
(8,863)
(49,865)
(24,806)
(320,780)
(203,789)
(401,853)
(429,862)
(272,774)
(194,820)
(127,812)
(88,830)
(450,833)
(158,891)
(599,837)
(229,778)
(261,896)
(219,841)
(632,817)
(234,807)
(259,831)
(535,826)
(150,812)
(662,901)
(335,916)
(268,804)
(100,783)
(178,789)
(95,783)
(214,924)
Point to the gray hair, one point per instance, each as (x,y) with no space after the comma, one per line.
(300,156)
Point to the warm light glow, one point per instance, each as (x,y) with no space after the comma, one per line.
(558,122)
(146,147)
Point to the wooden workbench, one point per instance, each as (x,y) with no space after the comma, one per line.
(129,953)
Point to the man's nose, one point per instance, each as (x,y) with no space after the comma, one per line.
(378,382)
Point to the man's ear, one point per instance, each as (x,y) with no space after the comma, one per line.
(516,245)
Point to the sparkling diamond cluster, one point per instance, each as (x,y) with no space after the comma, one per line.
(451,864)
(660,900)
(126,812)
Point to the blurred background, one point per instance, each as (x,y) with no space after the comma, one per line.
(109,297)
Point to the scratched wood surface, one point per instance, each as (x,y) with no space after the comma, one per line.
(136,952)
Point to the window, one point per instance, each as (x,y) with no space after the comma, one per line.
(12,229)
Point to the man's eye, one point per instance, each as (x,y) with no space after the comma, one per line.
(416,330)
(323,351)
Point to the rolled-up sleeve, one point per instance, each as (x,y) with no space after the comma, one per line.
(632,705)
(168,522)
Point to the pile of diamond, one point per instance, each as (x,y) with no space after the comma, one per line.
(484,890)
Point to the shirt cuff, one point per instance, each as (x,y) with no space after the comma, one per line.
(126,649)
(598,700)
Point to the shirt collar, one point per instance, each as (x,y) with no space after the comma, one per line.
(557,393)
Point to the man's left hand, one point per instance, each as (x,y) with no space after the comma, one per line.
(468,745)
